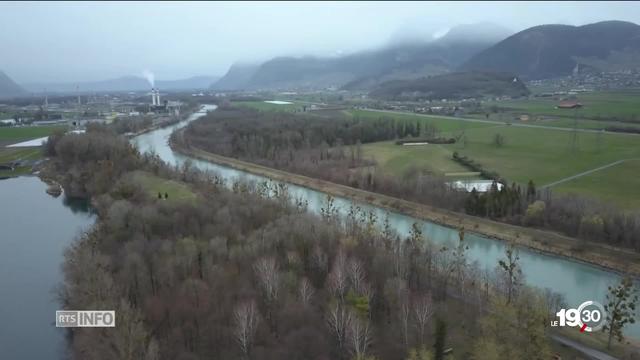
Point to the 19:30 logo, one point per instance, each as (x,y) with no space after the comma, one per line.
(589,317)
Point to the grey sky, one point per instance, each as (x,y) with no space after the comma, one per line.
(92,41)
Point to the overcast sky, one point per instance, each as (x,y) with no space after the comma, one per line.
(69,42)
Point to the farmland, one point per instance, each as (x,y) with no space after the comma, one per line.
(620,181)
(543,155)
(398,159)
(10,155)
(10,135)
(611,105)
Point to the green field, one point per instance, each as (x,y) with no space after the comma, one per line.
(442,123)
(612,105)
(263,106)
(177,191)
(543,155)
(583,123)
(9,135)
(9,155)
(620,181)
(396,159)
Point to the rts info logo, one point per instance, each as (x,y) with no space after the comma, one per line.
(589,317)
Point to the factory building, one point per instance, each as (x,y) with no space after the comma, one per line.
(158,106)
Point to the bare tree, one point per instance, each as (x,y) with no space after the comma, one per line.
(246,317)
(422,310)
(266,270)
(405,317)
(356,273)
(339,320)
(337,281)
(305,291)
(460,264)
(512,270)
(359,336)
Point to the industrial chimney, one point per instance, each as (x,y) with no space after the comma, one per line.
(153,96)
(157,97)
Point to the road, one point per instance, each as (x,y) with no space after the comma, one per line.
(502,123)
(590,352)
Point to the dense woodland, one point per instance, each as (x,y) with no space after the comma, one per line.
(236,274)
(324,147)
(329,148)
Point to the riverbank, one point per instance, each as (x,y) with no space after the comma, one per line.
(608,257)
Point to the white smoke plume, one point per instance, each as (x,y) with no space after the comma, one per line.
(150,77)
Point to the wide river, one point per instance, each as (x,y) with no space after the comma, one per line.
(577,281)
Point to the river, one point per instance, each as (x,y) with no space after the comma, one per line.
(36,229)
(576,281)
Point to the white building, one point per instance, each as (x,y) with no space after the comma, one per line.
(479,185)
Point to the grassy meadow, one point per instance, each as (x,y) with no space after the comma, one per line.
(12,135)
(542,155)
(599,105)
(177,191)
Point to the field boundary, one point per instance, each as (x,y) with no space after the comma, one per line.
(588,172)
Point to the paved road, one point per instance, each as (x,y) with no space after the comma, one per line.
(584,173)
(589,352)
(592,131)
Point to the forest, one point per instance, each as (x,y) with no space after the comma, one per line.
(329,148)
(242,271)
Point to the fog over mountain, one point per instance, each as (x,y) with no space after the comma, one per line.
(124,83)
(73,42)
(555,50)
(362,70)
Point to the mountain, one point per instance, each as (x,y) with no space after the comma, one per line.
(125,83)
(548,51)
(8,87)
(437,57)
(460,85)
(365,69)
(236,78)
